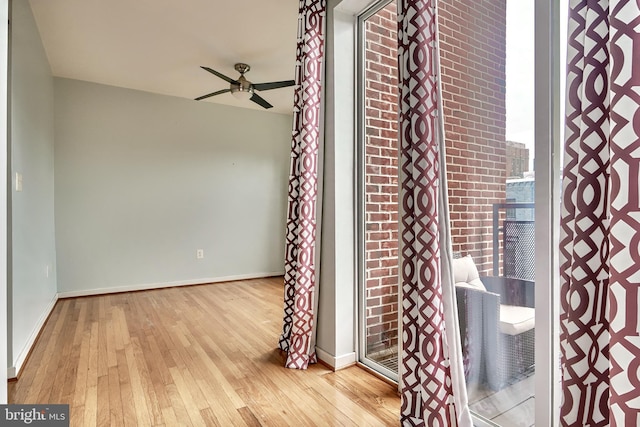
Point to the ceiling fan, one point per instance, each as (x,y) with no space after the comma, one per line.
(243,88)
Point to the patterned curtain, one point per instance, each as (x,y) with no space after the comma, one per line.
(431,372)
(298,329)
(600,223)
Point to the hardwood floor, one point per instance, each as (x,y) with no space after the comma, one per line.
(190,356)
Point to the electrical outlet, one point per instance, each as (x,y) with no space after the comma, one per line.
(47,270)
(200,254)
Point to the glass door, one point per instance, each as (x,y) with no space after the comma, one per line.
(378,188)
(496,198)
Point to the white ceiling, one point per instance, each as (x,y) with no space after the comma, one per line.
(159,45)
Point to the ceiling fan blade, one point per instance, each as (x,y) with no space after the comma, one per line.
(273,85)
(260,101)
(222,76)
(213,94)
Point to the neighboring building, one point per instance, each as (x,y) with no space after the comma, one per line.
(517,159)
(521,191)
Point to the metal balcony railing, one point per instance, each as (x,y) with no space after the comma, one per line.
(517,250)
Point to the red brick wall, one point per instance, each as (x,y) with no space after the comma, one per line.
(473,52)
(472,37)
(381,179)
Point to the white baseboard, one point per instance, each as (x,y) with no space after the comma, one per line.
(130,288)
(336,363)
(14,370)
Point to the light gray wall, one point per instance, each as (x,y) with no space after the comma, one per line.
(4,205)
(144,180)
(32,210)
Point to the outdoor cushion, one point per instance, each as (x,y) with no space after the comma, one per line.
(466,274)
(515,320)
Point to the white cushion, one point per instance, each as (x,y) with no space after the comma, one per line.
(465,273)
(515,320)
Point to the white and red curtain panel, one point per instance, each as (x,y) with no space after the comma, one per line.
(600,222)
(431,371)
(298,330)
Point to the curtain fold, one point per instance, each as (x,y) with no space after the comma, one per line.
(600,217)
(431,371)
(298,330)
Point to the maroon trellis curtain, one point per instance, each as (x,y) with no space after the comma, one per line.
(297,337)
(432,381)
(600,223)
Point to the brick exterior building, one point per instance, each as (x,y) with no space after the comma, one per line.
(473,44)
(517,162)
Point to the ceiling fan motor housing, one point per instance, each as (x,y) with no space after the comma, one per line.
(241,85)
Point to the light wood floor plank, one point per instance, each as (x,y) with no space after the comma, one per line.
(103,415)
(126,395)
(169,415)
(177,404)
(191,356)
(147,391)
(79,393)
(142,410)
(91,406)
(184,391)
(114,398)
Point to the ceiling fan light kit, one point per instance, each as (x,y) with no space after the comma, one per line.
(242,95)
(243,88)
